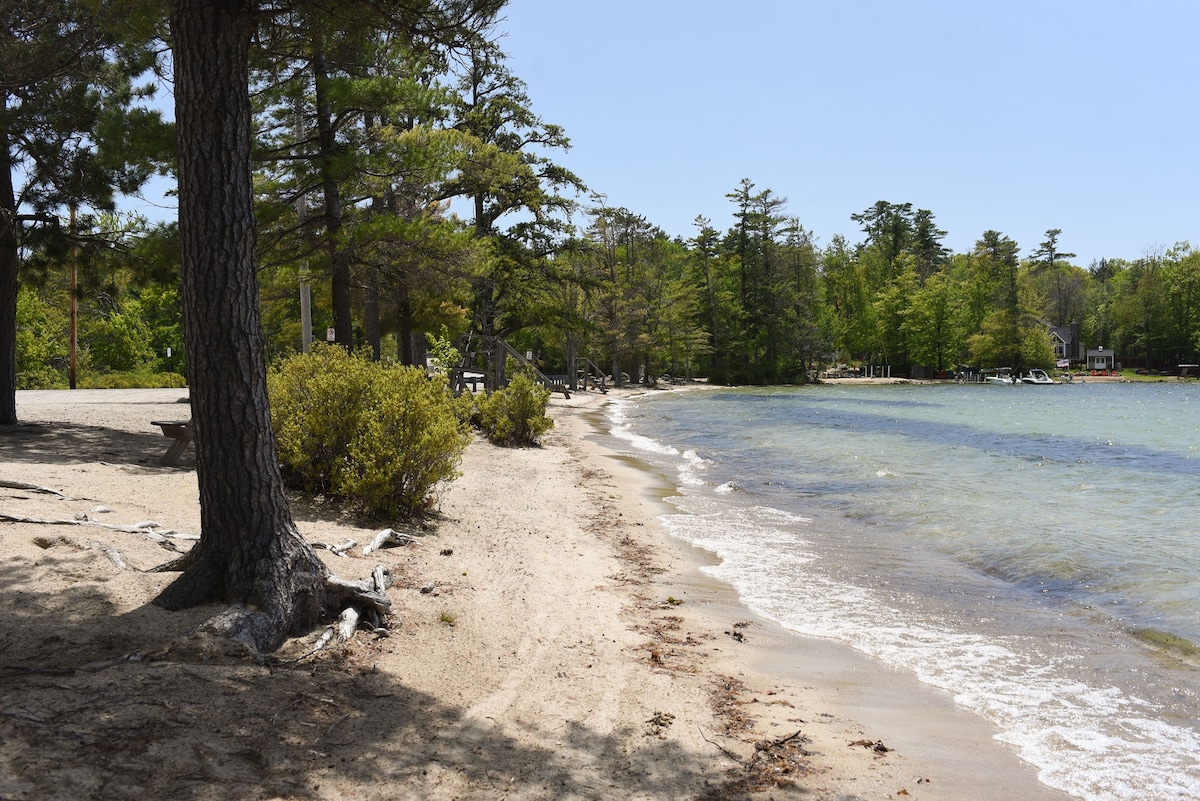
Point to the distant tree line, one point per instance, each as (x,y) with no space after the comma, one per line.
(381,154)
(409,184)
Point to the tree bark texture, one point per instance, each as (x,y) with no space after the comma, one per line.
(250,553)
(404,323)
(10,261)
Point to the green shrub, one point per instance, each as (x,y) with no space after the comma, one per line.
(465,409)
(317,400)
(41,377)
(132,380)
(516,415)
(41,340)
(445,355)
(409,442)
(119,341)
(380,437)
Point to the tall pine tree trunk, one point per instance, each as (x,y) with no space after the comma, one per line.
(249,552)
(404,322)
(339,257)
(371,326)
(10,261)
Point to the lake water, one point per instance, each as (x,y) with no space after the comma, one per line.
(1033,551)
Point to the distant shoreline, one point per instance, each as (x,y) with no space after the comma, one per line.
(1083,379)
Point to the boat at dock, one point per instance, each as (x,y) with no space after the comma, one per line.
(1034,376)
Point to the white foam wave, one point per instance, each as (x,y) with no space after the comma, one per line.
(692,467)
(622,429)
(1096,742)
(1049,699)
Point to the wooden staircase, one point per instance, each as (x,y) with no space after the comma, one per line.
(491,354)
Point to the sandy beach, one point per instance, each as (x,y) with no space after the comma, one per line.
(549,641)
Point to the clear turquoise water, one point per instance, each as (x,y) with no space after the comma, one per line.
(1034,551)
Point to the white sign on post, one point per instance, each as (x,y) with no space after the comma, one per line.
(330,335)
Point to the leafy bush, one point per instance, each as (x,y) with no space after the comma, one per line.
(41,340)
(445,355)
(381,437)
(316,402)
(120,340)
(465,409)
(409,441)
(516,415)
(162,310)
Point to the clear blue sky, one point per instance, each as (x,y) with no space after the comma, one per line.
(1017,116)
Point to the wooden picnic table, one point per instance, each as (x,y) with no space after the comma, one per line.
(181,432)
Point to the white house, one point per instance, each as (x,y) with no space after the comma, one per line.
(1101,358)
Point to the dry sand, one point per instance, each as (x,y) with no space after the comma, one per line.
(537,651)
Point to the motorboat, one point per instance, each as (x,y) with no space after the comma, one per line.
(1007,377)
(1037,376)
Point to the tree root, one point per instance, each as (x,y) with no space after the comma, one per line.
(370,592)
(365,602)
(176,565)
(340,631)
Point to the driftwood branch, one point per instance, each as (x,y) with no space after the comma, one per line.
(24,485)
(112,553)
(147,528)
(338,550)
(381,578)
(388,537)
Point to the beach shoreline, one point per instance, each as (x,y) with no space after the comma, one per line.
(937,750)
(551,640)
